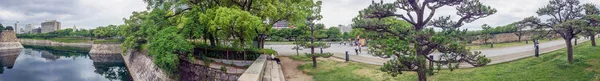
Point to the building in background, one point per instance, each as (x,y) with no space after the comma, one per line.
(281,25)
(27,29)
(37,30)
(50,26)
(345,28)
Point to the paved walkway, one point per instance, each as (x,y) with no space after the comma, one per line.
(273,72)
(497,55)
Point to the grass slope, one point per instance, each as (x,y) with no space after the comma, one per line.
(552,66)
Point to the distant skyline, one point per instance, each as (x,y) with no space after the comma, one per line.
(86,14)
(89,14)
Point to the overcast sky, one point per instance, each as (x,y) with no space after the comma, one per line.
(93,13)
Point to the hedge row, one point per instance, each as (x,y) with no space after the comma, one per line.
(232,53)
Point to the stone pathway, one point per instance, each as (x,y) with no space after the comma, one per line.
(273,72)
(497,55)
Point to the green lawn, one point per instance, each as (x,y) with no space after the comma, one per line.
(551,66)
(110,41)
(502,45)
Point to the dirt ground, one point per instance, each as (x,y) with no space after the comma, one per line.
(291,72)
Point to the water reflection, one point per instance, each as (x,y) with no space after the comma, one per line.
(7,58)
(50,64)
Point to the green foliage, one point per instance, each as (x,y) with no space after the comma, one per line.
(104,32)
(166,47)
(1,27)
(223,68)
(548,67)
(8,28)
(411,45)
(300,57)
(334,34)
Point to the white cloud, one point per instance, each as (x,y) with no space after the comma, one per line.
(86,14)
(337,12)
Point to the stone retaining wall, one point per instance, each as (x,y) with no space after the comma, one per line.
(8,36)
(52,43)
(142,68)
(10,45)
(106,49)
(196,72)
(8,40)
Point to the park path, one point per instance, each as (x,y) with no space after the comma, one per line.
(497,55)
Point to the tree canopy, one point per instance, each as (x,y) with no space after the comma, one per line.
(412,45)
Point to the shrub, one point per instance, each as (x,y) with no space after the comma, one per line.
(166,47)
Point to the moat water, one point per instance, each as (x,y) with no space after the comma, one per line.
(35,63)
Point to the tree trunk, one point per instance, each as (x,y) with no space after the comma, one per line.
(297,53)
(312,47)
(212,40)
(575,42)
(569,50)
(492,45)
(519,39)
(526,41)
(422,74)
(593,39)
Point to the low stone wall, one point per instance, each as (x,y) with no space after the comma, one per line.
(142,68)
(10,45)
(239,63)
(52,43)
(106,49)
(196,72)
(256,71)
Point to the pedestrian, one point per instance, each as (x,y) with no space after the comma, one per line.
(356,50)
(359,47)
(276,59)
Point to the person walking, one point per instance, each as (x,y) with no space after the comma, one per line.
(356,50)
(359,47)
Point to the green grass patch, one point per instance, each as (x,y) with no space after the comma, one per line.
(108,41)
(552,66)
(507,44)
(300,58)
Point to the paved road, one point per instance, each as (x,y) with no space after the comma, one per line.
(497,55)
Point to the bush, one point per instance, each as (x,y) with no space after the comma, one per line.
(235,53)
(166,47)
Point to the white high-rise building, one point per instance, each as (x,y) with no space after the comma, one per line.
(27,28)
(344,28)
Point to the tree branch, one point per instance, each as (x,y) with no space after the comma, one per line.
(177,13)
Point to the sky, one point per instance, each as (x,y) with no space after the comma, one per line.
(90,14)
(86,14)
